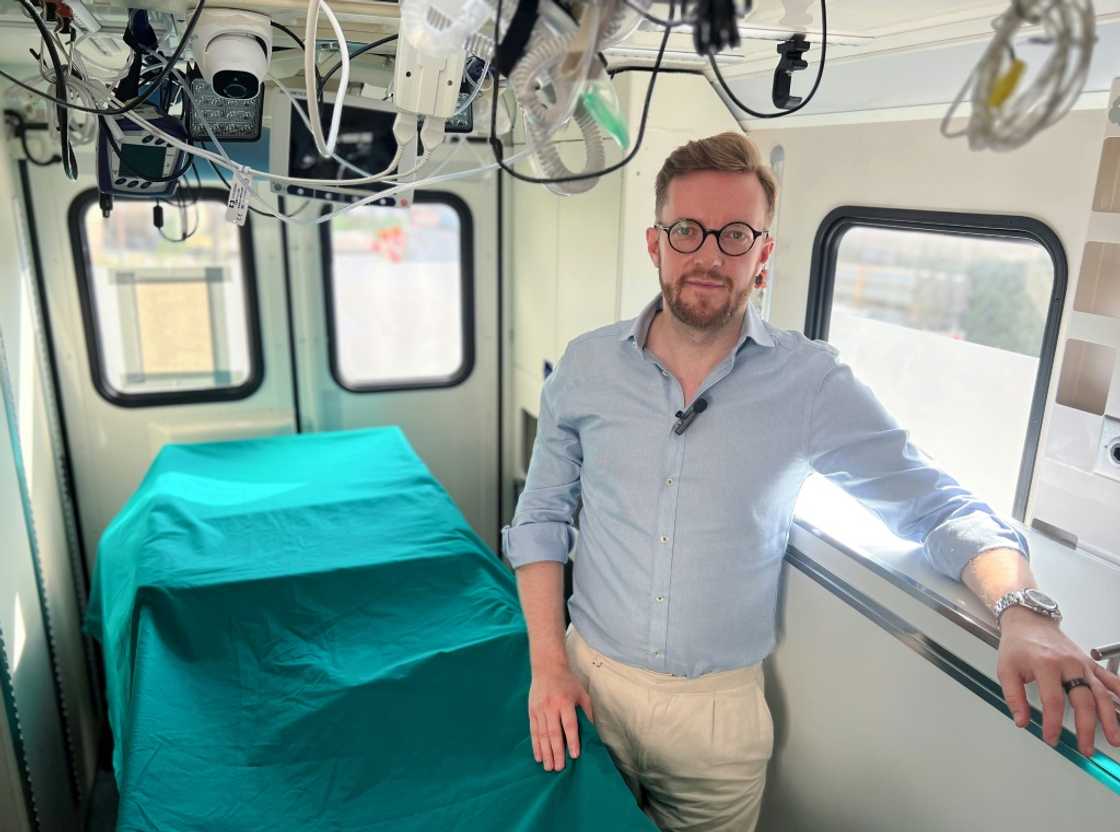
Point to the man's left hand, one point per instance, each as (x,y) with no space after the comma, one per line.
(1033,648)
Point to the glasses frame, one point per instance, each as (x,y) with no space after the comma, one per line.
(714,232)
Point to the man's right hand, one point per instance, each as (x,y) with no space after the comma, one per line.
(553,697)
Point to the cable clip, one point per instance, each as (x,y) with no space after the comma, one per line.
(237,207)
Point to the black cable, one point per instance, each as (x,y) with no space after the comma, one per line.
(671,24)
(299,42)
(665,70)
(808,98)
(353,55)
(21,127)
(141,96)
(69,160)
(496,143)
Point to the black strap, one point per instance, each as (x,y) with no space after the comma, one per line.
(138,35)
(512,47)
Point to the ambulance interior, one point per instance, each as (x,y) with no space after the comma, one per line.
(199,272)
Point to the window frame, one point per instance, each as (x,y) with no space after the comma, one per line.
(466,306)
(822,280)
(91,323)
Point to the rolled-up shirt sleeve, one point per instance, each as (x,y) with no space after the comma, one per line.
(542,527)
(854,442)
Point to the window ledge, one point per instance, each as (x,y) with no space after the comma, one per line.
(1086,586)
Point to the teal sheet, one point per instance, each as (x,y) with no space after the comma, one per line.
(303,633)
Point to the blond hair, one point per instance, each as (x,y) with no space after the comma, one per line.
(731,152)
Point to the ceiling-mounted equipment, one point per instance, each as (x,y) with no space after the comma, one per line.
(716,23)
(233,49)
(791,61)
(131,162)
(229,119)
(366,140)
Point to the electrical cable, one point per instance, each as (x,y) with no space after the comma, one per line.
(498,149)
(324,144)
(475,92)
(301,111)
(361,51)
(21,127)
(664,24)
(665,70)
(115,73)
(81,130)
(69,160)
(223,157)
(224,160)
(1002,120)
(125,107)
(182,204)
(299,42)
(812,92)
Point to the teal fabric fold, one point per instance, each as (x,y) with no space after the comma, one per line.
(304,633)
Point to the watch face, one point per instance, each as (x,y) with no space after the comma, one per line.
(1040,599)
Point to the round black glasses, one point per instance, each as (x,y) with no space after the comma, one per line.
(687,236)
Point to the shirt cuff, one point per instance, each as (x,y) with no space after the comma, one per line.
(957,541)
(536,542)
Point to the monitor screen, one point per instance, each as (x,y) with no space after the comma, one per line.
(143,160)
(365,139)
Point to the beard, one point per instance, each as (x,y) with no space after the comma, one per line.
(703,309)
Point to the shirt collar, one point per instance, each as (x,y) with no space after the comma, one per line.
(753,327)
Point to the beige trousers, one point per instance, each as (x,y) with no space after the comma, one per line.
(693,751)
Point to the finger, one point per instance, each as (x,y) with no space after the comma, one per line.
(585,703)
(534,734)
(1109,680)
(1053,703)
(555,741)
(571,729)
(1016,695)
(1106,711)
(1085,718)
(542,737)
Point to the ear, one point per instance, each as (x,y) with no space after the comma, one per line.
(653,245)
(762,279)
(767,250)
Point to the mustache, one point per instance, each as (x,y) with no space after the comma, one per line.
(705,274)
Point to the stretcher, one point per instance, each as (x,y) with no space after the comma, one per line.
(304,633)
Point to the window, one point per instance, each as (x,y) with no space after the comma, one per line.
(952,320)
(399,294)
(167,322)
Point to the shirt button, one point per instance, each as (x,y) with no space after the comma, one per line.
(657,652)
(660,597)
(665,373)
(664,539)
(669,481)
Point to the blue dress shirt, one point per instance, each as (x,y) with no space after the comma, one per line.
(681,537)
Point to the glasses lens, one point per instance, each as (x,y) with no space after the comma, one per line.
(736,238)
(685,236)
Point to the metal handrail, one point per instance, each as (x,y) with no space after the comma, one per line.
(1111,652)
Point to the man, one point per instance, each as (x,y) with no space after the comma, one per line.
(682,531)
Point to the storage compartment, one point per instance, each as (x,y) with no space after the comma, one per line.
(1098,289)
(1086,376)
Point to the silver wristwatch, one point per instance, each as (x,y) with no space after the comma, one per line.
(1032,599)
